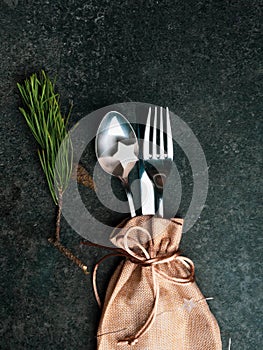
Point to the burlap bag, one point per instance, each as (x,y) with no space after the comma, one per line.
(152,301)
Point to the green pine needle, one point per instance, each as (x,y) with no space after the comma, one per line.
(41,110)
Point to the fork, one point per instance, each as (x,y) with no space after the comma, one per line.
(158,153)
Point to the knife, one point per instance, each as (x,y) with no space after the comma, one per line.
(146,185)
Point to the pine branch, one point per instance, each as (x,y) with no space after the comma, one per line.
(41,110)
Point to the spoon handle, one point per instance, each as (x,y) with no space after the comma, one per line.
(127,188)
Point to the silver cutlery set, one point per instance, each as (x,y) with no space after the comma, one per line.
(117,150)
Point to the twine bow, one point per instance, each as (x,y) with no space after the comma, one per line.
(144,259)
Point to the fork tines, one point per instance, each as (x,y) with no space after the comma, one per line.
(158,143)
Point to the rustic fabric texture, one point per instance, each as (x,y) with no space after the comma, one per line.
(152,301)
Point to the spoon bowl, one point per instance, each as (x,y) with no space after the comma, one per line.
(117,149)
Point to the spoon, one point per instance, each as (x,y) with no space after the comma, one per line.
(117,150)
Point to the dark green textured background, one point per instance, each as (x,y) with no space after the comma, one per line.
(200,58)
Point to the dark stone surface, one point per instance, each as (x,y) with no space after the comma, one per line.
(202,59)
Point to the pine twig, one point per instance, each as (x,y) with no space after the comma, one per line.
(56,241)
(58,221)
(69,255)
(41,110)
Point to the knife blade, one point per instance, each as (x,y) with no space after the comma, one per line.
(147,194)
(146,186)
